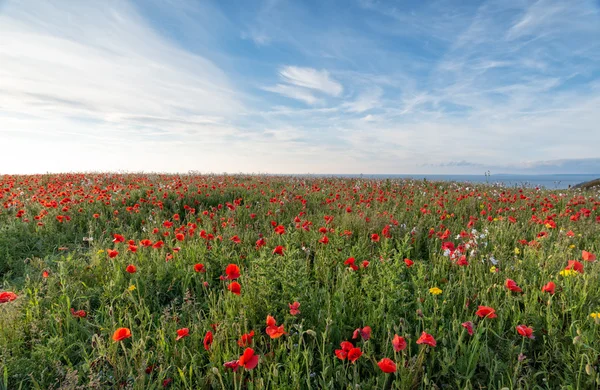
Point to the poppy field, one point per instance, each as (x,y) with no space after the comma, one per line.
(147,281)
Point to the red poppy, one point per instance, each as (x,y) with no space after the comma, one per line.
(232,271)
(45,274)
(199,268)
(180,236)
(343,353)
(365,333)
(208,339)
(324,240)
(350,263)
(112,253)
(280,229)
(278,250)
(248,360)
(121,334)
(512,285)
(408,262)
(132,248)
(273,330)
(246,339)
(525,331)
(236,239)
(574,265)
(486,312)
(146,242)
(354,354)
(365,263)
(131,269)
(158,244)
(426,339)
(294,308)
(387,365)
(549,288)
(260,243)
(587,256)
(469,327)
(118,238)
(234,365)
(398,343)
(235,288)
(462,261)
(78,313)
(374,237)
(181,333)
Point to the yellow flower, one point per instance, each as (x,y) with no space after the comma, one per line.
(493,269)
(568,272)
(101,251)
(517,251)
(571,246)
(435,291)
(131,288)
(595,315)
(495,219)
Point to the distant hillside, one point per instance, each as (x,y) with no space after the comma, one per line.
(588,184)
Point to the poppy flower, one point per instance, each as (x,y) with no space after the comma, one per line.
(278,250)
(387,365)
(587,256)
(199,268)
(512,285)
(181,333)
(248,360)
(408,262)
(234,365)
(374,237)
(486,312)
(350,263)
(180,236)
(343,353)
(78,313)
(245,339)
(426,339)
(232,271)
(235,288)
(260,243)
(131,269)
(324,240)
(208,339)
(118,238)
(132,248)
(112,253)
(280,229)
(158,244)
(354,354)
(121,334)
(45,274)
(462,261)
(549,288)
(575,266)
(398,343)
(294,308)
(525,331)
(146,242)
(365,333)
(273,330)
(468,326)
(236,239)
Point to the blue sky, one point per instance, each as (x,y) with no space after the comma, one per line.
(349,86)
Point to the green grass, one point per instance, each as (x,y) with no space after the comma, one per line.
(43,345)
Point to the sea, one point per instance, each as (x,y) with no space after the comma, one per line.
(548,181)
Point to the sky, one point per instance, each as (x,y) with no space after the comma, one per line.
(276,86)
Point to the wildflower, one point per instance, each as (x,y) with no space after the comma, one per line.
(199,268)
(587,256)
(234,365)
(294,308)
(278,250)
(121,334)
(45,274)
(208,339)
(131,269)
(354,354)
(180,236)
(78,313)
(374,237)
(181,333)
(435,291)
(387,365)
(365,333)
(248,360)
(512,286)
(232,271)
(245,339)
(343,353)
(235,288)
(260,243)
(408,262)
(493,269)
(426,339)
(146,243)
(486,312)
(549,288)
(398,343)
(280,229)
(350,263)
(112,253)
(236,239)
(567,272)
(525,331)
(462,261)
(574,265)
(468,326)
(273,330)
(118,238)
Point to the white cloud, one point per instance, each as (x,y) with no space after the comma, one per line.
(311,78)
(293,92)
(365,101)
